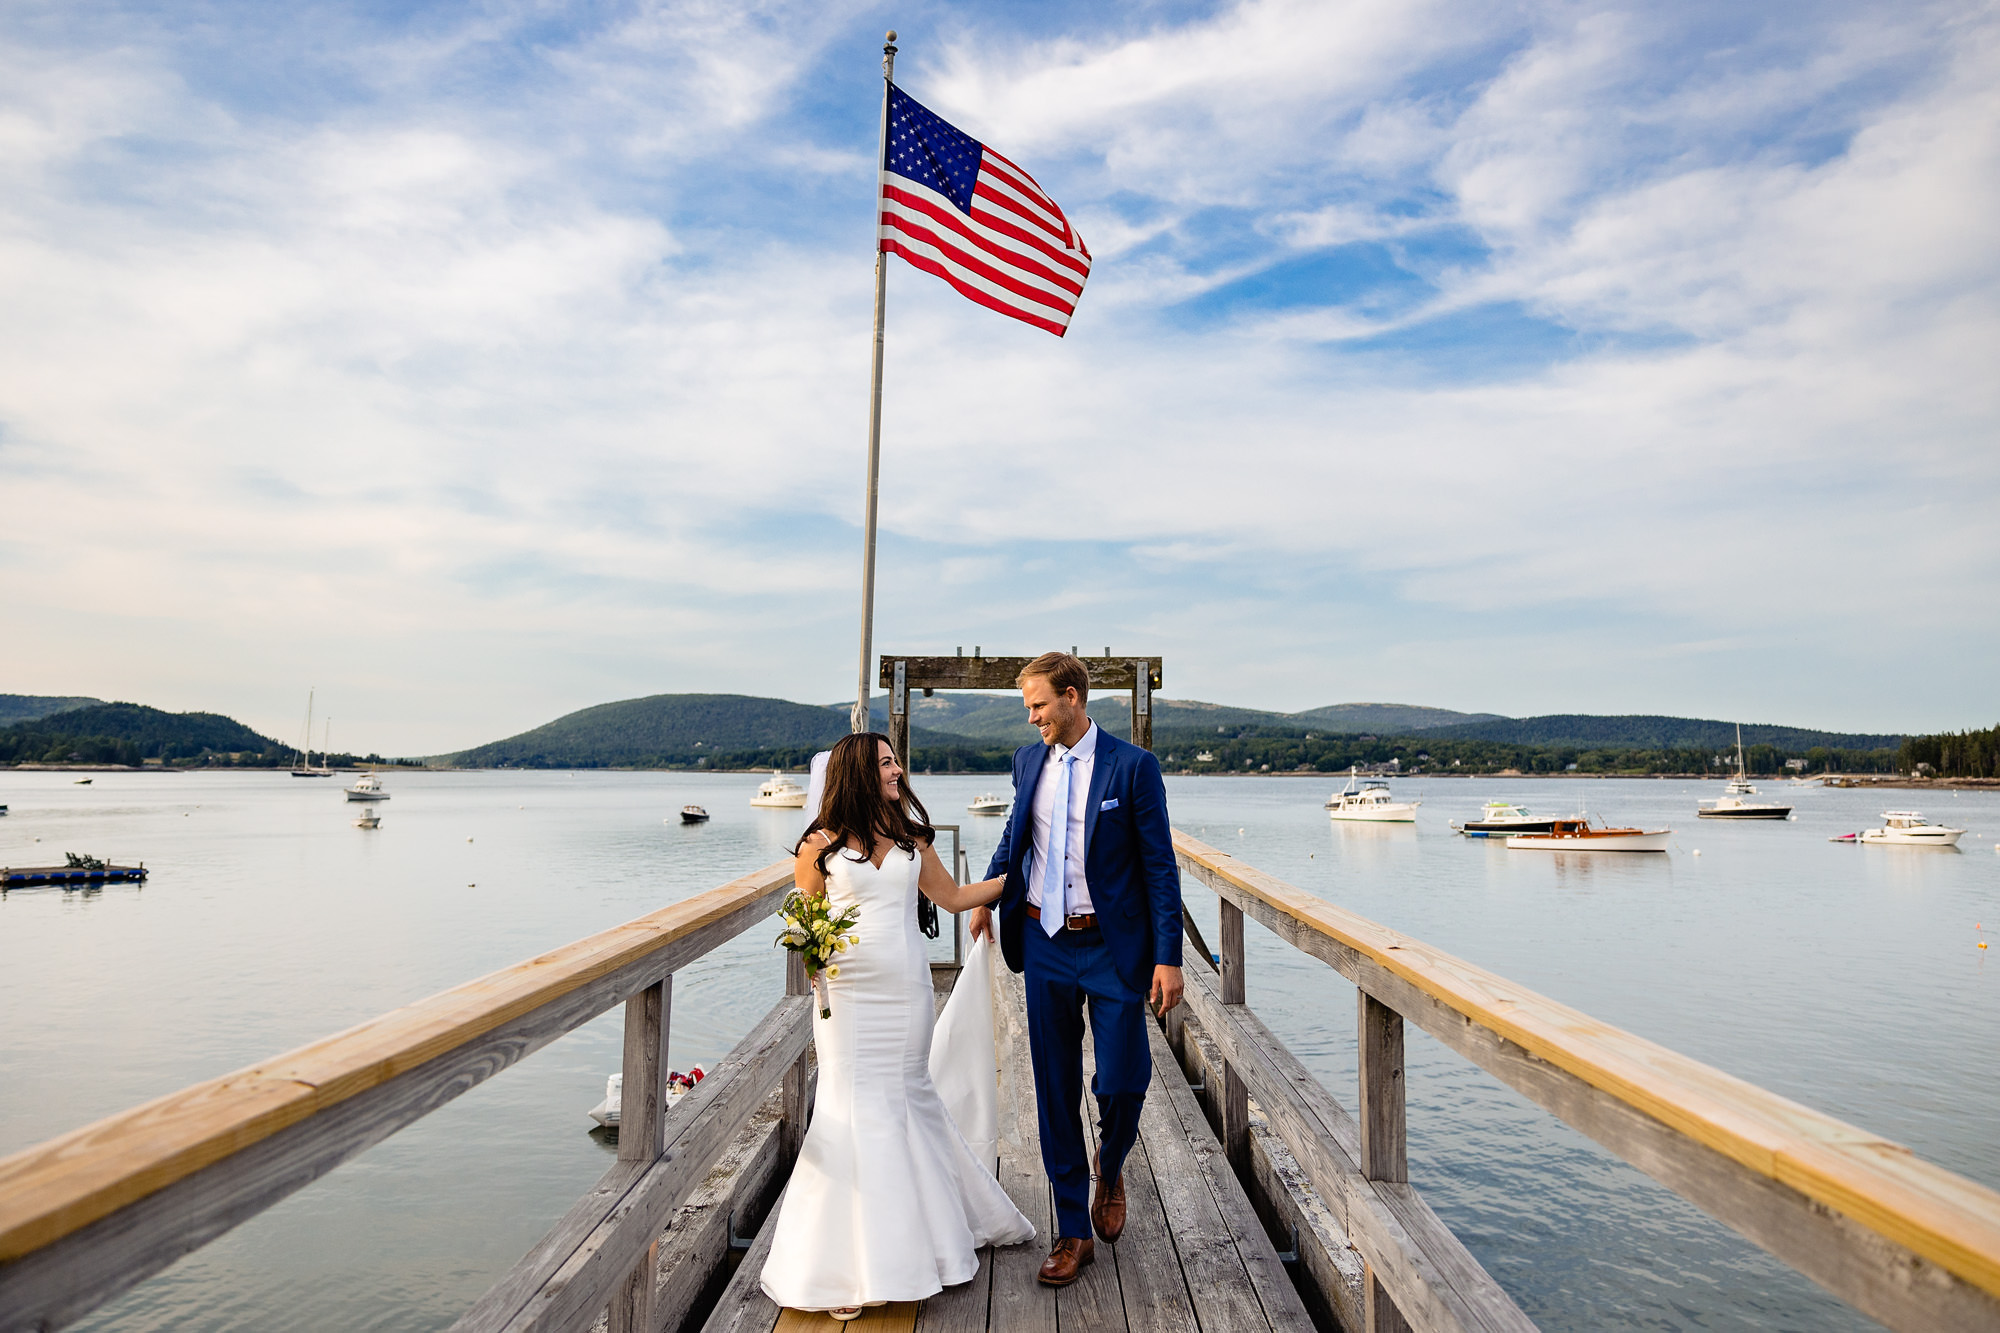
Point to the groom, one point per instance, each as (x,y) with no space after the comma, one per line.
(1091,912)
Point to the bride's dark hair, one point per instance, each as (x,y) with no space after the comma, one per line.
(853,808)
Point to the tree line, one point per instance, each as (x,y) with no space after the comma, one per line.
(1952,754)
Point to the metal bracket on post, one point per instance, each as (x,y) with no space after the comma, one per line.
(737,1242)
(1142,703)
(899,697)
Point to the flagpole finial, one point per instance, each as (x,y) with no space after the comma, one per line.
(889,54)
(889,36)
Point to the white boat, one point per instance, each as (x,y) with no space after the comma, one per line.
(368,819)
(1498,819)
(1369,802)
(367,787)
(1731,805)
(1907,828)
(780,793)
(1577,835)
(605,1112)
(989,804)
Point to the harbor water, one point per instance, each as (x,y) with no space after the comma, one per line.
(1845,977)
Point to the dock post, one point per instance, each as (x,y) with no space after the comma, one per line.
(794,1094)
(899,712)
(642,1125)
(1142,703)
(1235,1093)
(1384,1140)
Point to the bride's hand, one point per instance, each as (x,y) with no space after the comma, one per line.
(981,923)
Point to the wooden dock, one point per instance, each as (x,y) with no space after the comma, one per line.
(1193,1257)
(1242,1154)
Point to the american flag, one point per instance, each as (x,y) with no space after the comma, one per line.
(956,208)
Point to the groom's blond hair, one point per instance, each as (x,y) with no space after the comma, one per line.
(1062,671)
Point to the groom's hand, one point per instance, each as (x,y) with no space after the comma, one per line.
(1167,989)
(982,922)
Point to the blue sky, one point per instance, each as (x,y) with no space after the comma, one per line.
(475,363)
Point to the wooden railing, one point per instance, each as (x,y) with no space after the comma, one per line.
(87,1215)
(1900,1239)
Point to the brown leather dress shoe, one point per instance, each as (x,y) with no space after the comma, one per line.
(1065,1262)
(1107,1205)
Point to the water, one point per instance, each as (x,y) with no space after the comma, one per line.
(1845,977)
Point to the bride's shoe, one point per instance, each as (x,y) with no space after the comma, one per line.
(845,1313)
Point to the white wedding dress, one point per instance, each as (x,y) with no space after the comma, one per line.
(886,1201)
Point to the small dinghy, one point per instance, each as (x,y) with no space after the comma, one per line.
(605,1113)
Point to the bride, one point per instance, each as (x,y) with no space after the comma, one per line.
(886,1201)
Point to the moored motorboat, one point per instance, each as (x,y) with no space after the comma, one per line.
(368,819)
(1497,819)
(1907,828)
(1369,802)
(693,814)
(780,793)
(367,787)
(989,804)
(1578,835)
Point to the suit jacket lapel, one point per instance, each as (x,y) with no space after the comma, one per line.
(1100,778)
(1023,813)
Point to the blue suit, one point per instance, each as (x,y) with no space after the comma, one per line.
(1136,894)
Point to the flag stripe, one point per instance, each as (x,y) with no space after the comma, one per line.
(929,264)
(954,208)
(971,262)
(1025,252)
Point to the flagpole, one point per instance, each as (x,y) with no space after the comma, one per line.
(860,720)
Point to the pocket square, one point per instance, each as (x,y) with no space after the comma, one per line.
(1111,804)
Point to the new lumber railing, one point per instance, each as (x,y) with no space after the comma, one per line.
(85,1216)
(1904,1241)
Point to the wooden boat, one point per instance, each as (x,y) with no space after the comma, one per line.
(693,814)
(1577,835)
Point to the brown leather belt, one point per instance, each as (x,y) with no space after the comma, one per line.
(1083,921)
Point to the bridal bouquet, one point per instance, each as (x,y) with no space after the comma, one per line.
(815,931)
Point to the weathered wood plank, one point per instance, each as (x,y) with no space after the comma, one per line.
(642,1124)
(1094,1300)
(1257,1257)
(743,1307)
(1935,1218)
(1435,1280)
(567,1277)
(1000,673)
(1018,1303)
(740,1189)
(1384,1144)
(1149,1272)
(1218,1285)
(56,1188)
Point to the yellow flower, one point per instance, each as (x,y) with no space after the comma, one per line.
(833,972)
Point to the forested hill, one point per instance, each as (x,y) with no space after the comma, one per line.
(674,731)
(1645,731)
(123,733)
(27,707)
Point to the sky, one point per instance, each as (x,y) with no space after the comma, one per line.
(473,363)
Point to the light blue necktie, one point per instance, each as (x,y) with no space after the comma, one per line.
(1055,875)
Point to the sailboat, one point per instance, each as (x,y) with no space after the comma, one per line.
(1731,805)
(304,768)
